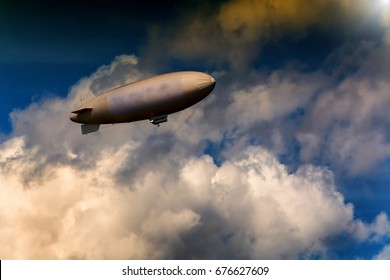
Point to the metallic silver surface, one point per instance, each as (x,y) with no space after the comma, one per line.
(146,99)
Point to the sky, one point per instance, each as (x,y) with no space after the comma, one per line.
(288,158)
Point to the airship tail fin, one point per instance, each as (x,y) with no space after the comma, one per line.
(89,128)
(82,110)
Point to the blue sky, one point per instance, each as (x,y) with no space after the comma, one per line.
(287,159)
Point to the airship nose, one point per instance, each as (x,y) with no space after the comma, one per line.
(197,84)
(206,82)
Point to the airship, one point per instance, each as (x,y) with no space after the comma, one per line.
(150,99)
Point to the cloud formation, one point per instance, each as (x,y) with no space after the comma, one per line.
(384,254)
(282,93)
(250,207)
(241,28)
(148,193)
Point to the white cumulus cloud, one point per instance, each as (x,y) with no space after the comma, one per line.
(384,254)
(135,191)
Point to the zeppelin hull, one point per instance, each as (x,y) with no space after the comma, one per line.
(147,99)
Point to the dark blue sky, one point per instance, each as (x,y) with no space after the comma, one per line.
(47,46)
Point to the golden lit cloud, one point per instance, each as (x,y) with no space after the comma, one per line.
(236,31)
(262,19)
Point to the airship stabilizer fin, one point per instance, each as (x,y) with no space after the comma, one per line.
(89,128)
(82,110)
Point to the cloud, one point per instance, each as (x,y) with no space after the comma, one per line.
(253,20)
(384,254)
(250,207)
(72,213)
(241,28)
(137,191)
(386,23)
(337,119)
(281,94)
(350,121)
(376,231)
(147,193)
